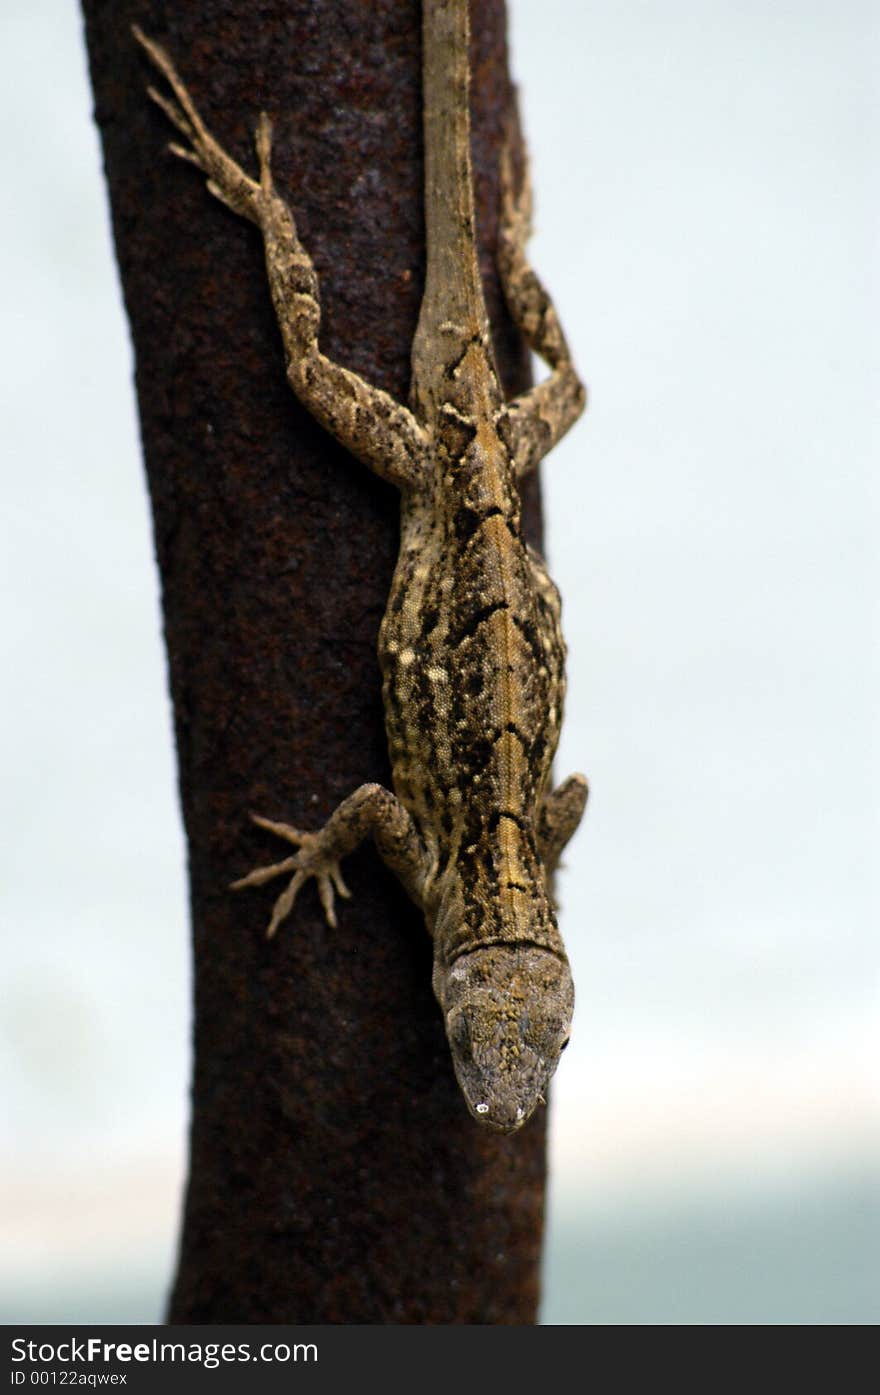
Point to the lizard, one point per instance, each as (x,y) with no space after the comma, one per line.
(470,646)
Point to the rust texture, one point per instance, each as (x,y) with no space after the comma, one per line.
(336,1175)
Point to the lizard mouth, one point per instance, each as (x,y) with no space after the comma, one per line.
(501,1115)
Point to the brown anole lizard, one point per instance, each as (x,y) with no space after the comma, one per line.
(470,646)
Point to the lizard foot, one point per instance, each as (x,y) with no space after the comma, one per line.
(227,181)
(311,860)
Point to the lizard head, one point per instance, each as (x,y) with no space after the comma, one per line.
(508,1015)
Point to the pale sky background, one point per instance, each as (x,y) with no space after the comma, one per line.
(706,217)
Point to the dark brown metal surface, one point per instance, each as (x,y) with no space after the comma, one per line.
(336,1175)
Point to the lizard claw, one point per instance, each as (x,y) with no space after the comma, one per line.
(309,861)
(284,830)
(284,905)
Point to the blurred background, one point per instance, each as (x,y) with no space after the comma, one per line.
(706,205)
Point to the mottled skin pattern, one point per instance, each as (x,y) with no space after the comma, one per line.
(470,646)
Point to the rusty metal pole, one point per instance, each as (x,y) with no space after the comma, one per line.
(336,1175)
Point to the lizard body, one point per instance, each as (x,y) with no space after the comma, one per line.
(470,646)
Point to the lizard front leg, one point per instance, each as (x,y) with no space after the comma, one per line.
(370,810)
(560,814)
(380,431)
(536,419)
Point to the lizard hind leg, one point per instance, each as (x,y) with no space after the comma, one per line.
(537,419)
(366,420)
(309,861)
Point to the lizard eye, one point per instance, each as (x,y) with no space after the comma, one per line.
(458,1028)
(564,1045)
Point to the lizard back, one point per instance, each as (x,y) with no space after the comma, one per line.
(473,684)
